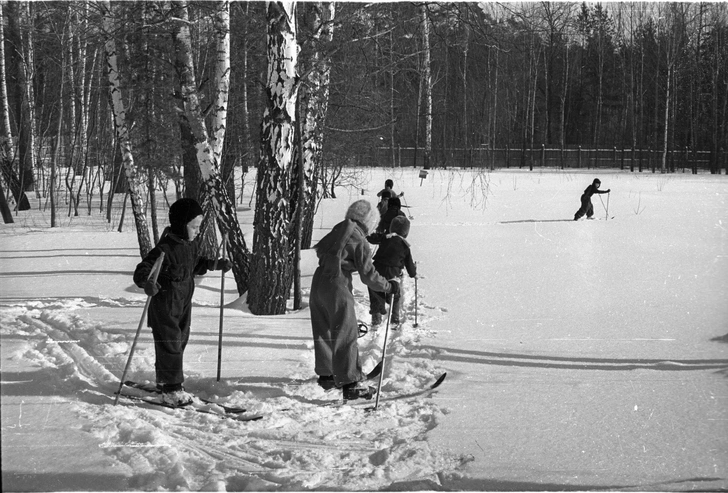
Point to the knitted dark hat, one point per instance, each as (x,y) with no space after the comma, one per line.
(597,180)
(395,202)
(400,225)
(386,194)
(182,212)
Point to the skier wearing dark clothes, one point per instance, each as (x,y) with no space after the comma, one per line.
(388,187)
(394,209)
(343,251)
(170,308)
(383,204)
(392,256)
(586,203)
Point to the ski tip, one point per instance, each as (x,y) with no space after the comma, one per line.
(375,371)
(439,381)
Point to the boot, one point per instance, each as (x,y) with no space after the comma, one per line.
(395,310)
(376,319)
(177,398)
(326,382)
(355,390)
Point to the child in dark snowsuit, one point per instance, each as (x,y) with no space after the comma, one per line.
(388,187)
(393,255)
(383,204)
(586,204)
(394,209)
(170,308)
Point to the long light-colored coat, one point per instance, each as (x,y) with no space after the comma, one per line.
(341,252)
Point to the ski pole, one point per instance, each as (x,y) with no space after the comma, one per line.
(409,213)
(603,207)
(608,194)
(384,354)
(222,308)
(154,274)
(415,325)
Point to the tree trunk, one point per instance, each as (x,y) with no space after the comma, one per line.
(246,149)
(136,184)
(6,138)
(315,103)
(271,266)
(427,76)
(668,96)
(57,143)
(208,151)
(20,25)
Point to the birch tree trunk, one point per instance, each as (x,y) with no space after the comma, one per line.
(20,25)
(209,150)
(136,184)
(315,103)
(271,269)
(392,118)
(427,76)
(245,146)
(6,138)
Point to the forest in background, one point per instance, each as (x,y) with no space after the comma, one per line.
(129,98)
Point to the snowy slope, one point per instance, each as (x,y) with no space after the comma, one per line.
(579,354)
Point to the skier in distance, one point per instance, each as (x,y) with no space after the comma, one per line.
(394,209)
(586,204)
(388,187)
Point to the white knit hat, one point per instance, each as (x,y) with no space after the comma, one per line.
(362,212)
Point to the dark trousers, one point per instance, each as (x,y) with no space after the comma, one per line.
(377,302)
(170,341)
(586,207)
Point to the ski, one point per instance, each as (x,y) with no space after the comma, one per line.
(192,407)
(417,393)
(597,218)
(147,387)
(375,371)
(368,402)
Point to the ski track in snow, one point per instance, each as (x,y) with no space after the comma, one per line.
(298,445)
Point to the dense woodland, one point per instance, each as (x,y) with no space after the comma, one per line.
(150,96)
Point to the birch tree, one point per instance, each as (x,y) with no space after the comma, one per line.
(314,104)
(675,28)
(134,180)
(209,147)
(6,138)
(21,35)
(427,83)
(271,269)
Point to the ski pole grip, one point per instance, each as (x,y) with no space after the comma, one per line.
(156,268)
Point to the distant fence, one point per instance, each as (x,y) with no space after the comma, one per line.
(574,158)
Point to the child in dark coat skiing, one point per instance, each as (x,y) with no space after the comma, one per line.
(383,204)
(343,251)
(586,203)
(388,187)
(392,256)
(170,308)
(394,209)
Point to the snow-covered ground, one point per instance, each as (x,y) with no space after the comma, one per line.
(580,355)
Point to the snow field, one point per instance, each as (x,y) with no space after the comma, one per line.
(580,355)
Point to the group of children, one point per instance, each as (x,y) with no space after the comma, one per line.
(393,253)
(341,252)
